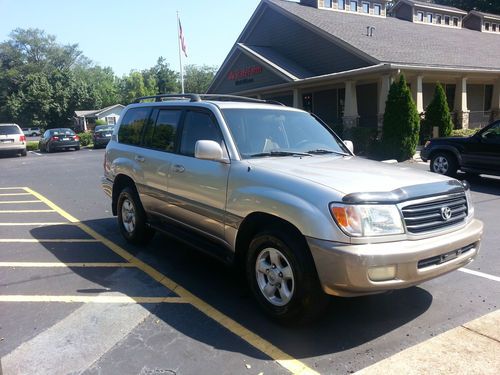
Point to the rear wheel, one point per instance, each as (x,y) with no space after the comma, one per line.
(48,149)
(23,152)
(283,279)
(132,218)
(444,163)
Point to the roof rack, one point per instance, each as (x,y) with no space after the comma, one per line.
(201,97)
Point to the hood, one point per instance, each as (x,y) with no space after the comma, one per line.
(350,174)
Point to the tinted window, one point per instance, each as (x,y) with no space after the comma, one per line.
(198,126)
(63,132)
(162,135)
(131,128)
(9,129)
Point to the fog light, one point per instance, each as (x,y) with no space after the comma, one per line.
(382,273)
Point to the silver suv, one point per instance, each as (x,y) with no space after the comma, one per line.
(272,189)
(12,139)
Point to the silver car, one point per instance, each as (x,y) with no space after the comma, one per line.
(12,139)
(274,191)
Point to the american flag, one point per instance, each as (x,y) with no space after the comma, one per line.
(181,37)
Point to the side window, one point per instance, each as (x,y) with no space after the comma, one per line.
(198,126)
(162,135)
(492,135)
(131,127)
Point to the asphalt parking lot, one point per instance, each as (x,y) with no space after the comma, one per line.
(76,298)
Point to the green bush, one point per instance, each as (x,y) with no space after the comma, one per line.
(85,139)
(438,114)
(363,139)
(463,132)
(401,123)
(32,145)
(100,121)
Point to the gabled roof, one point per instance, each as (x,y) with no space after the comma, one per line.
(398,41)
(96,112)
(483,15)
(422,4)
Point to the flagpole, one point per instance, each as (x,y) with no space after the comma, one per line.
(180,57)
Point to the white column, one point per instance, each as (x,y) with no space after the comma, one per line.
(351,105)
(495,101)
(297,100)
(383,92)
(461,110)
(417,92)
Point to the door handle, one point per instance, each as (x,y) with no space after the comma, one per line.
(139,158)
(179,168)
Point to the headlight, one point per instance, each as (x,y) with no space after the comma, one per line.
(367,220)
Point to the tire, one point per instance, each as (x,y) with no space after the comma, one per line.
(281,274)
(444,163)
(48,149)
(77,148)
(24,152)
(132,218)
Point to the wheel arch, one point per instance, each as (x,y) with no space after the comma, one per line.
(119,183)
(257,222)
(449,149)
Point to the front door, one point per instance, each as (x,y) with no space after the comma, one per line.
(197,188)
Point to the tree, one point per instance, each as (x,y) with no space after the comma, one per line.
(488,6)
(134,85)
(401,122)
(167,80)
(198,79)
(438,114)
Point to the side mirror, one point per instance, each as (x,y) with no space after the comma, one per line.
(208,150)
(350,146)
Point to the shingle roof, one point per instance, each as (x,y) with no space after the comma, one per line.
(94,112)
(433,5)
(485,15)
(401,42)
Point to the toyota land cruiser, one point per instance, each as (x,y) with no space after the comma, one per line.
(274,190)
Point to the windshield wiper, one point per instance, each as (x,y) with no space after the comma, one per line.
(280,153)
(322,151)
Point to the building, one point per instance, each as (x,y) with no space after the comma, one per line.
(338,58)
(85,120)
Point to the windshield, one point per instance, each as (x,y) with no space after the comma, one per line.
(274,132)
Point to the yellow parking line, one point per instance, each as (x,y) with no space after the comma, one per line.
(13,202)
(62,264)
(12,194)
(23,211)
(285,360)
(35,224)
(90,299)
(35,240)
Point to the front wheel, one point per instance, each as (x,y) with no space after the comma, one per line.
(132,218)
(444,163)
(283,279)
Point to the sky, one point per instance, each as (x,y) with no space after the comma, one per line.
(130,35)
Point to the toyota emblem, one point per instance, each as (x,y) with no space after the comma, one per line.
(446,213)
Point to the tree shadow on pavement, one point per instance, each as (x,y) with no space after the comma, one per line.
(348,322)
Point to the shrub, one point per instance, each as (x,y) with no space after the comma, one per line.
(463,132)
(32,146)
(363,139)
(438,114)
(100,121)
(401,123)
(85,139)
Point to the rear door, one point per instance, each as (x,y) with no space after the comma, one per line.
(197,188)
(158,147)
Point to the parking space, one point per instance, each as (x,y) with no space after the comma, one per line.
(48,272)
(74,297)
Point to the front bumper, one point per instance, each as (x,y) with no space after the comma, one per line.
(343,268)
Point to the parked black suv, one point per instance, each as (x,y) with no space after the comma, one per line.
(478,154)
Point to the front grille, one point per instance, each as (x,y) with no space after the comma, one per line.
(428,216)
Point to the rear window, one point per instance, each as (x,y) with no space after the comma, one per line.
(133,122)
(63,132)
(9,129)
